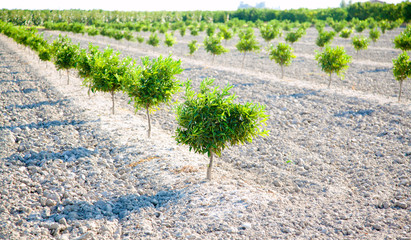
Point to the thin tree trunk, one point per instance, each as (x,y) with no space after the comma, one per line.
(112,99)
(212,62)
(282,71)
(210,166)
(242,64)
(399,95)
(149,123)
(329,83)
(68,77)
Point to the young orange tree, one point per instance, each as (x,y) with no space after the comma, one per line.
(333,60)
(152,84)
(210,120)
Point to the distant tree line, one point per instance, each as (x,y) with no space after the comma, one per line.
(359,10)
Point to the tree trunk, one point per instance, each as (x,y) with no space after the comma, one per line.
(212,62)
(399,95)
(149,123)
(68,77)
(282,71)
(112,99)
(329,83)
(210,166)
(242,64)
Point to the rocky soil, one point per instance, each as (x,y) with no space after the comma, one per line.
(336,165)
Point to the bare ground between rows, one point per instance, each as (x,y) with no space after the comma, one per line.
(334,157)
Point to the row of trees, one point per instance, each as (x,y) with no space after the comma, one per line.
(360,10)
(208,121)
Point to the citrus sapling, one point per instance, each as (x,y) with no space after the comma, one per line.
(247,43)
(333,60)
(209,120)
(360,43)
(212,44)
(401,69)
(282,54)
(152,84)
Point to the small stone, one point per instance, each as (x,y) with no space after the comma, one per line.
(34,216)
(246,225)
(50,203)
(401,205)
(277,183)
(63,221)
(53,226)
(85,236)
(377,227)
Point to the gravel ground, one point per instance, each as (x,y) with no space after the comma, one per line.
(335,166)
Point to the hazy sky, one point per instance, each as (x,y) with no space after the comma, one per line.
(169,5)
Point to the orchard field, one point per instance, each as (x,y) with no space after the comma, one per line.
(336,164)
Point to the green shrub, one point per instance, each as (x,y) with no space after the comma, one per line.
(269,32)
(170,40)
(346,33)
(333,60)
(401,69)
(65,54)
(153,40)
(193,46)
(247,43)
(108,72)
(210,120)
(152,84)
(360,43)
(324,38)
(213,45)
(282,55)
(293,37)
(403,40)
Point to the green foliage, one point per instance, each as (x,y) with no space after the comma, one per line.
(183,30)
(361,26)
(209,120)
(282,55)
(152,84)
(45,53)
(193,46)
(211,29)
(360,43)
(247,43)
(324,38)
(128,36)
(371,23)
(193,31)
(225,33)
(170,39)
(383,26)
(293,37)
(319,25)
(346,33)
(403,40)
(107,72)
(374,34)
(65,54)
(92,31)
(140,39)
(401,69)
(213,45)
(333,60)
(269,32)
(153,40)
(338,26)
